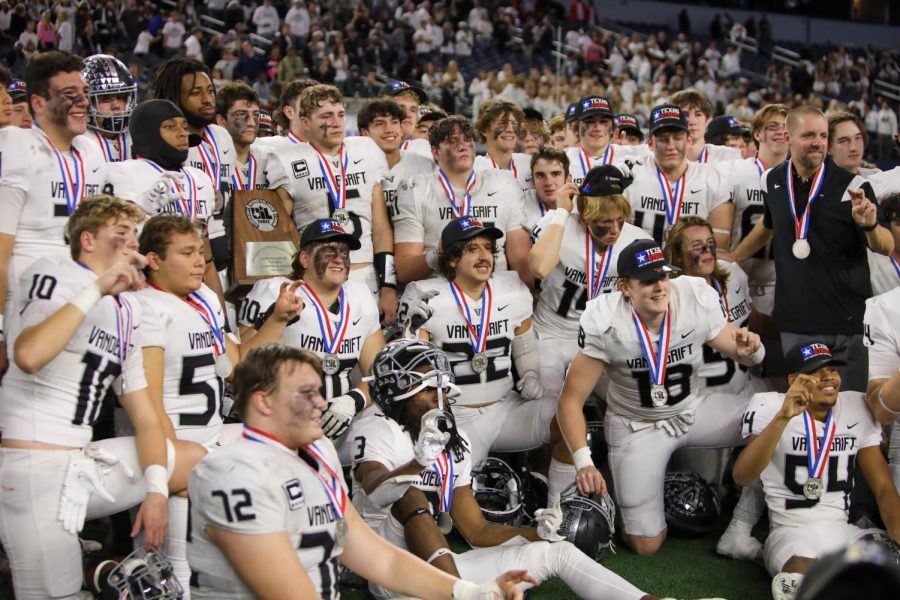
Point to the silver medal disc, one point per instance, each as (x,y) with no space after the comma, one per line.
(223,365)
(341,532)
(445,523)
(479,362)
(331,364)
(658,395)
(341,216)
(813,488)
(800,249)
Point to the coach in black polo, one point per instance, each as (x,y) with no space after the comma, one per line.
(822,275)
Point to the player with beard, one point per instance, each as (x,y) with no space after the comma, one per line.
(45,172)
(339,322)
(498,126)
(575,258)
(667,186)
(381,120)
(596,128)
(113,98)
(550,171)
(237,110)
(648,337)
(427,203)
(409,98)
(698,111)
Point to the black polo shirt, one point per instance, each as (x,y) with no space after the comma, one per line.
(826,292)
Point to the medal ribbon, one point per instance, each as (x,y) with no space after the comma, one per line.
(656,364)
(816,457)
(124,313)
(801,226)
(703,155)
(331,340)
(723,297)
(478,337)
(189,207)
(462,209)
(585,160)
(896,266)
(760,166)
(73,186)
(596,273)
(210,158)
(337,190)
(123,146)
(295,139)
(443,466)
(252,168)
(199,303)
(673,198)
(511,167)
(405,145)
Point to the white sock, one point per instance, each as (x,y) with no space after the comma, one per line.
(560,476)
(176,542)
(749,508)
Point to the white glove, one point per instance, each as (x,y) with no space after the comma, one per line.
(678,425)
(549,520)
(466,590)
(337,415)
(418,311)
(430,443)
(164,190)
(81,480)
(102,455)
(530,387)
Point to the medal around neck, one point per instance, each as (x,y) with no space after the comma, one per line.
(658,395)
(331,364)
(341,532)
(479,362)
(223,365)
(813,488)
(801,249)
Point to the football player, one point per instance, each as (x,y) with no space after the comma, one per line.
(76,335)
(725,130)
(270,515)
(575,258)
(648,336)
(534,134)
(427,203)
(113,97)
(409,475)
(557,127)
(498,125)
(237,110)
(596,127)
(550,171)
(482,320)
(410,99)
(667,186)
(21,116)
(45,172)
(6,111)
(882,337)
(628,131)
(339,322)
(331,177)
(698,111)
(805,445)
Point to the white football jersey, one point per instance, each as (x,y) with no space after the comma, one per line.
(116,149)
(510,306)
(881,325)
(192,392)
(215,155)
(252,488)
(519,167)
(423,208)
(608,334)
(712,153)
(421,146)
(885,183)
(299,170)
(130,179)
(60,403)
(720,373)
(884,272)
(704,190)
(410,164)
(580,164)
(564,291)
(305,332)
(534,210)
(784,476)
(380,439)
(29,164)
(252,175)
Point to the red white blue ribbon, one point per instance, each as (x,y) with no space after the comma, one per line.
(252,169)
(124,315)
(801,225)
(337,189)
(462,209)
(331,338)
(595,271)
(477,337)
(188,207)
(73,185)
(211,157)
(704,155)
(295,139)
(896,266)
(723,297)
(673,198)
(816,456)
(443,466)
(106,148)
(199,304)
(511,167)
(760,166)
(656,363)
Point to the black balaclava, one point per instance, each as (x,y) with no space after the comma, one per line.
(146,141)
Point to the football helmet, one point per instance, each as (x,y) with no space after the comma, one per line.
(867,568)
(589,522)
(108,76)
(397,373)
(498,491)
(534,495)
(145,575)
(691,504)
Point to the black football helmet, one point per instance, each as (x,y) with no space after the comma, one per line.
(691,504)
(498,491)
(867,568)
(589,522)
(108,76)
(396,374)
(145,575)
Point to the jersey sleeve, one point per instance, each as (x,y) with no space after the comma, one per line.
(596,321)
(56,293)
(261,296)
(541,226)
(760,411)
(707,303)
(520,296)
(275,171)
(18,155)
(154,324)
(880,335)
(514,198)
(123,182)
(409,224)
(870,430)
(375,441)
(722,190)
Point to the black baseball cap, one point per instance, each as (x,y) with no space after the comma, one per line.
(394,88)
(17,90)
(532,114)
(667,116)
(591,106)
(643,260)
(428,114)
(630,124)
(723,125)
(465,228)
(604,180)
(573,112)
(322,230)
(808,357)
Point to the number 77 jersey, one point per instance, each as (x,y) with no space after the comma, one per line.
(60,403)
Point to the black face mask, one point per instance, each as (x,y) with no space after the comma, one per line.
(146,141)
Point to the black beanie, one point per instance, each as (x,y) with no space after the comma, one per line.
(146,141)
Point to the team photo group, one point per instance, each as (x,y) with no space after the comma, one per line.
(331,342)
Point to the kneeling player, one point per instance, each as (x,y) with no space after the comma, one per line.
(807,464)
(413,467)
(270,513)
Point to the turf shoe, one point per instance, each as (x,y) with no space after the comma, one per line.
(738,543)
(785,585)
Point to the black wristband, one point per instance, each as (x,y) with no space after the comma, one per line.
(868,228)
(384,270)
(413,514)
(358,398)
